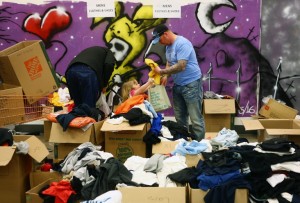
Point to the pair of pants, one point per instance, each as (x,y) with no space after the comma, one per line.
(187,101)
(82,84)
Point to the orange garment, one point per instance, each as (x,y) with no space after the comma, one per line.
(78,122)
(130,102)
(61,190)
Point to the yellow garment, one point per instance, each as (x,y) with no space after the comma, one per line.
(152,74)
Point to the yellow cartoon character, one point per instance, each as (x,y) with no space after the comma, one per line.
(126,37)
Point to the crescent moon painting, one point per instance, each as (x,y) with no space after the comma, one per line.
(204,15)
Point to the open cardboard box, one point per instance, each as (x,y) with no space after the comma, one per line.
(66,141)
(32,195)
(15,168)
(218,113)
(270,128)
(154,194)
(27,64)
(277,110)
(124,141)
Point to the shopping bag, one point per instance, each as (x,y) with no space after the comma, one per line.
(159,98)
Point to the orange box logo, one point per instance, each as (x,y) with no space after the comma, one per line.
(34,68)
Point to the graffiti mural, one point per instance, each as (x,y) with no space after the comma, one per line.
(225,35)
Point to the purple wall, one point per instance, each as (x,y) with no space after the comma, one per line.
(225,35)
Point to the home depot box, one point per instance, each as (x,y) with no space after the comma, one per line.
(27,64)
(15,168)
(11,104)
(154,194)
(124,141)
(275,109)
(218,113)
(66,141)
(197,195)
(270,128)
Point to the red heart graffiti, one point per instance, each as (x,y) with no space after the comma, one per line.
(55,20)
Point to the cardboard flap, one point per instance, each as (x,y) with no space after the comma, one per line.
(71,135)
(283,131)
(37,150)
(121,127)
(252,125)
(274,109)
(219,106)
(6,155)
(164,147)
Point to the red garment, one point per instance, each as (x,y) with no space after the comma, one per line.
(130,102)
(61,190)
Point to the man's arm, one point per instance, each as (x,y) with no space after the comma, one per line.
(176,68)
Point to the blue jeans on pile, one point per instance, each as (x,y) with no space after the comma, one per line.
(187,101)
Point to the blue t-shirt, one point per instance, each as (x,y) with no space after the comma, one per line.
(182,49)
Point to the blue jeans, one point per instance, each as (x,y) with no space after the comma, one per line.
(187,101)
(83,85)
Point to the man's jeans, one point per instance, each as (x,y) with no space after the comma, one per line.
(83,85)
(187,101)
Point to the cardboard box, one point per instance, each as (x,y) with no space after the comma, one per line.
(124,141)
(275,109)
(66,141)
(27,64)
(270,128)
(11,104)
(164,147)
(197,195)
(154,194)
(218,113)
(32,195)
(15,168)
(38,177)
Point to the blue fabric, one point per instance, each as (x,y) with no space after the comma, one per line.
(207,182)
(156,124)
(186,147)
(150,108)
(187,101)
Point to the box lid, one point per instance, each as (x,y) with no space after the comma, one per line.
(37,150)
(121,127)
(252,125)
(219,106)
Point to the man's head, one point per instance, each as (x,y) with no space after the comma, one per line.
(158,32)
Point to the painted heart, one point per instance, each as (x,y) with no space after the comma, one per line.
(55,20)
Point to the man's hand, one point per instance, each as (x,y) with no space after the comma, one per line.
(157,69)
